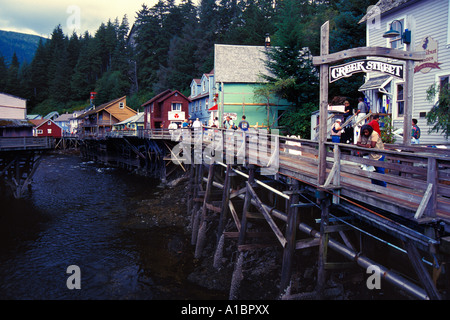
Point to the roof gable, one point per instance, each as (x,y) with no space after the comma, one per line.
(39,122)
(240,64)
(383,6)
(164,96)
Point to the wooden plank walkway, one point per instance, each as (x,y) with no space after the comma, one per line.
(417,178)
(26,143)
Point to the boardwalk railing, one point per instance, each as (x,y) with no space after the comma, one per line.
(26,143)
(417,179)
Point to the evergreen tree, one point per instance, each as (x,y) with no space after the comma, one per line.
(180,66)
(39,74)
(12,79)
(206,35)
(290,62)
(87,70)
(251,23)
(4,71)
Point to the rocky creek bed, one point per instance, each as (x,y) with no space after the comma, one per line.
(167,213)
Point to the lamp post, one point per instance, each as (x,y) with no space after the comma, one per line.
(405,37)
(267,40)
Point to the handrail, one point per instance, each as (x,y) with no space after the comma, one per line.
(419,178)
(26,143)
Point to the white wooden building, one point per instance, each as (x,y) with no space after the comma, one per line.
(13,108)
(429,24)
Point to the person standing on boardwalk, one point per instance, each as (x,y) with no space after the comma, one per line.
(347,110)
(228,123)
(415,132)
(360,113)
(371,139)
(336,130)
(243,125)
(375,124)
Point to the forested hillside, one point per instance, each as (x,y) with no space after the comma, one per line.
(24,45)
(172,44)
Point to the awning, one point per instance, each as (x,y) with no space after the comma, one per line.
(376,83)
(213,108)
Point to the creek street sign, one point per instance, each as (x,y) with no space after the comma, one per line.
(348,69)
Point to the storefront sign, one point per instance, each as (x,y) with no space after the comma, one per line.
(430,46)
(348,69)
(232,115)
(176,116)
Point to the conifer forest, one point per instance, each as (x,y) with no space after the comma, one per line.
(172,43)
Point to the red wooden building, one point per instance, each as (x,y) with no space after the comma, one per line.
(46,128)
(167,107)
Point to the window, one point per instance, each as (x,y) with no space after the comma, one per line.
(121,105)
(49,123)
(443,82)
(176,106)
(49,131)
(39,131)
(206,104)
(400,100)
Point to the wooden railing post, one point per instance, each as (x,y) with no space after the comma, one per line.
(324,50)
(432,179)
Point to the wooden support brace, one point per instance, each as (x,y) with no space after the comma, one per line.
(421,271)
(267,215)
(307,243)
(425,200)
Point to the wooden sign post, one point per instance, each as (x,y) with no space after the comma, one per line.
(325,59)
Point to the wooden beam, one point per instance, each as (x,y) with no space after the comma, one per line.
(421,271)
(423,204)
(323,113)
(269,219)
(326,58)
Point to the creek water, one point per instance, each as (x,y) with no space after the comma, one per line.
(76,214)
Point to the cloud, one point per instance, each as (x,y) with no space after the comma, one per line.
(42,17)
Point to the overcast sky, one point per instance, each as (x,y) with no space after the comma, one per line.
(41,17)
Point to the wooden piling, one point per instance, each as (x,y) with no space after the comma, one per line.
(291,232)
(203,223)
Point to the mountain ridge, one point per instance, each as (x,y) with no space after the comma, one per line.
(23,44)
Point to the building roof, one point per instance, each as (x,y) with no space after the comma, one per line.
(163,96)
(240,64)
(52,114)
(104,107)
(33,116)
(64,117)
(39,122)
(11,123)
(383,6)
(134,119)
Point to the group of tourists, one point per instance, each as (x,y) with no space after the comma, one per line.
(228,123)
(366,135)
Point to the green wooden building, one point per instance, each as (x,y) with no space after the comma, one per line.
(238,71)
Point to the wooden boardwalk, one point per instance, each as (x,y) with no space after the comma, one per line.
(19,159)
(26,143)
(418,178)
(274,179)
